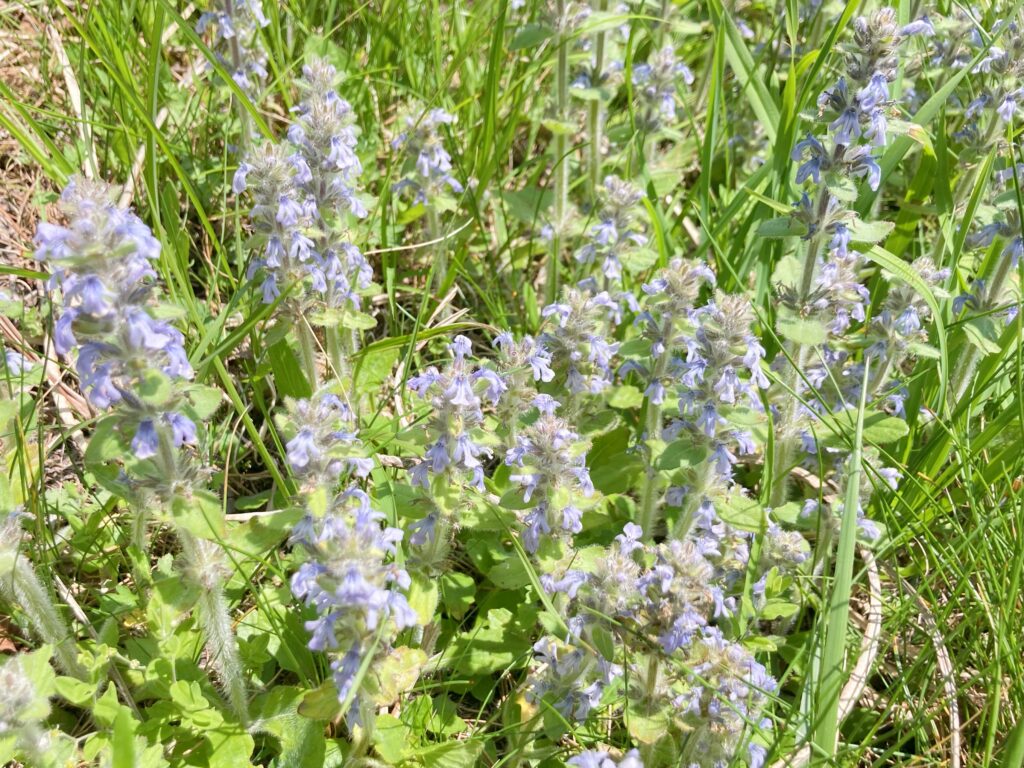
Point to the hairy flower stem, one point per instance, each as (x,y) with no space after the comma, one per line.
(649,516)
(202,558)
(785,444)
(236,63)
(561,162)
(967,363)
(307,347)
(595,116)
(439,248)
(20,585)
(203,561)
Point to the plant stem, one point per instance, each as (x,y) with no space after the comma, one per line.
(648,519)
(968,362)
(307,347)
(236,63)
(215,619)
(595,116)
(20,584)
(785,444)
(561,162)
(440,249)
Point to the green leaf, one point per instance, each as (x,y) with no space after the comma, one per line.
(530,36)
(423,596)
(391,738)
(781,227)
(122,742)
(288,376)
(626,397)
(204,400)
(396,675)
(201,515)
(647,728)
(458,593)
(321,703)
(301,738)
(612,468)
(78,692)
(453,754)
(801,330)
(374,367)
(741,512)
(359,321)
(494,644)
(870,232)
(983,333)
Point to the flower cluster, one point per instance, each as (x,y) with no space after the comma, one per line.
(657,85)
(618,231)
(102,263)
(580,350)
(324,442)
(236,40)
(456,397)
(676,596)
(568,678)
(282,215)
(354,584)
(428,166)
(721,369)
(549,462)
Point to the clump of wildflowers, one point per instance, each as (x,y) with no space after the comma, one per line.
(102,263)
(656,83)
(323,441)
(549,464)
(676,597)
(618,231)
(282,216)
(456,396)
(522,365)
(355,585)
(236,40)
(580,351)
(136,365)
(569,678)
(325,136)
(427,165)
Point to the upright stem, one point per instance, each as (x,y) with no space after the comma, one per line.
(440,248)
(22,586)
(595,117)
(785,444)
(307,346)
(648,516)
(215,618)
(968,362)
(561,162)
(236,63)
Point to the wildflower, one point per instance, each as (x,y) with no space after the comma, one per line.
(550,462)
(236,40)
(354,585)
(657,83)
(324,442)
(428,164)
(579,349)
(617,231)
(102,264)
(455,397)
